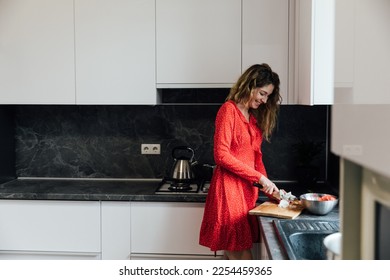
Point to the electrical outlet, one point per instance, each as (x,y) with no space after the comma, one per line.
(150,149)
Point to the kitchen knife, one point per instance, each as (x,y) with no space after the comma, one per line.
(279,195)
(275,196)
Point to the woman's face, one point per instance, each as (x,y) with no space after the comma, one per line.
(260,95)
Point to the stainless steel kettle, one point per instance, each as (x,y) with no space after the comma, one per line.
(181,170)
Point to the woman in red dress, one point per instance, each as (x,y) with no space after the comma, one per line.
(248,115)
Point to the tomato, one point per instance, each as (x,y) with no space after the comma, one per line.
(327,197)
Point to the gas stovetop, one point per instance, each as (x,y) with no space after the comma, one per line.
(167,186)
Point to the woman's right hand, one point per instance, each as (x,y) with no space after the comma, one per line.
(268,186)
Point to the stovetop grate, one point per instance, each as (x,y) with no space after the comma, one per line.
(166,186)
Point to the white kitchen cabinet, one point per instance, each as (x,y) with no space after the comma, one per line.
(314,51)
(344,51)
(37,52)
(77,52)
(198,43)
(167,230)
(41,229)
(115,52)
(265,38)
(115,230)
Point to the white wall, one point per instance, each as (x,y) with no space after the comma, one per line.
(362,56)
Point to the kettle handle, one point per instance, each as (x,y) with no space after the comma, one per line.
(183,148)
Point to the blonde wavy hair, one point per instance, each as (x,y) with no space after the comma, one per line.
(259,75)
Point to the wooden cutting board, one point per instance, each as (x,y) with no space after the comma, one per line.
(271,209)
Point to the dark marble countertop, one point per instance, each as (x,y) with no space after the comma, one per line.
(100,190)
(270,237)
(91,189)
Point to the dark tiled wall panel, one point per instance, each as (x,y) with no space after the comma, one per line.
(104,141)
(7,143)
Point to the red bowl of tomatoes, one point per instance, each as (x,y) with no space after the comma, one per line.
(318,203)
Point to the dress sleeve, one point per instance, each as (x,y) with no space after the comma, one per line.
(224,133)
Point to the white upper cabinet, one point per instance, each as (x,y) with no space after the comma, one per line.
(115,52)
(314,51)
(265,38)
(198,43)
(77,52)
(37,52)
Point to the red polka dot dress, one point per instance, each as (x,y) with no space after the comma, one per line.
(226,224)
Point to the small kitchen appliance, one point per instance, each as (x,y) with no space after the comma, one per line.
(186,176)
(181,173)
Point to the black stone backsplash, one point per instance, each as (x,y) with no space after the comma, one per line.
(105,141)
(7,143)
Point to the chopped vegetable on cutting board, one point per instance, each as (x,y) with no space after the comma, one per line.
(286,198)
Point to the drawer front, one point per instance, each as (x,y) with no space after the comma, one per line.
(115,230)
(61,226)
(167,228)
